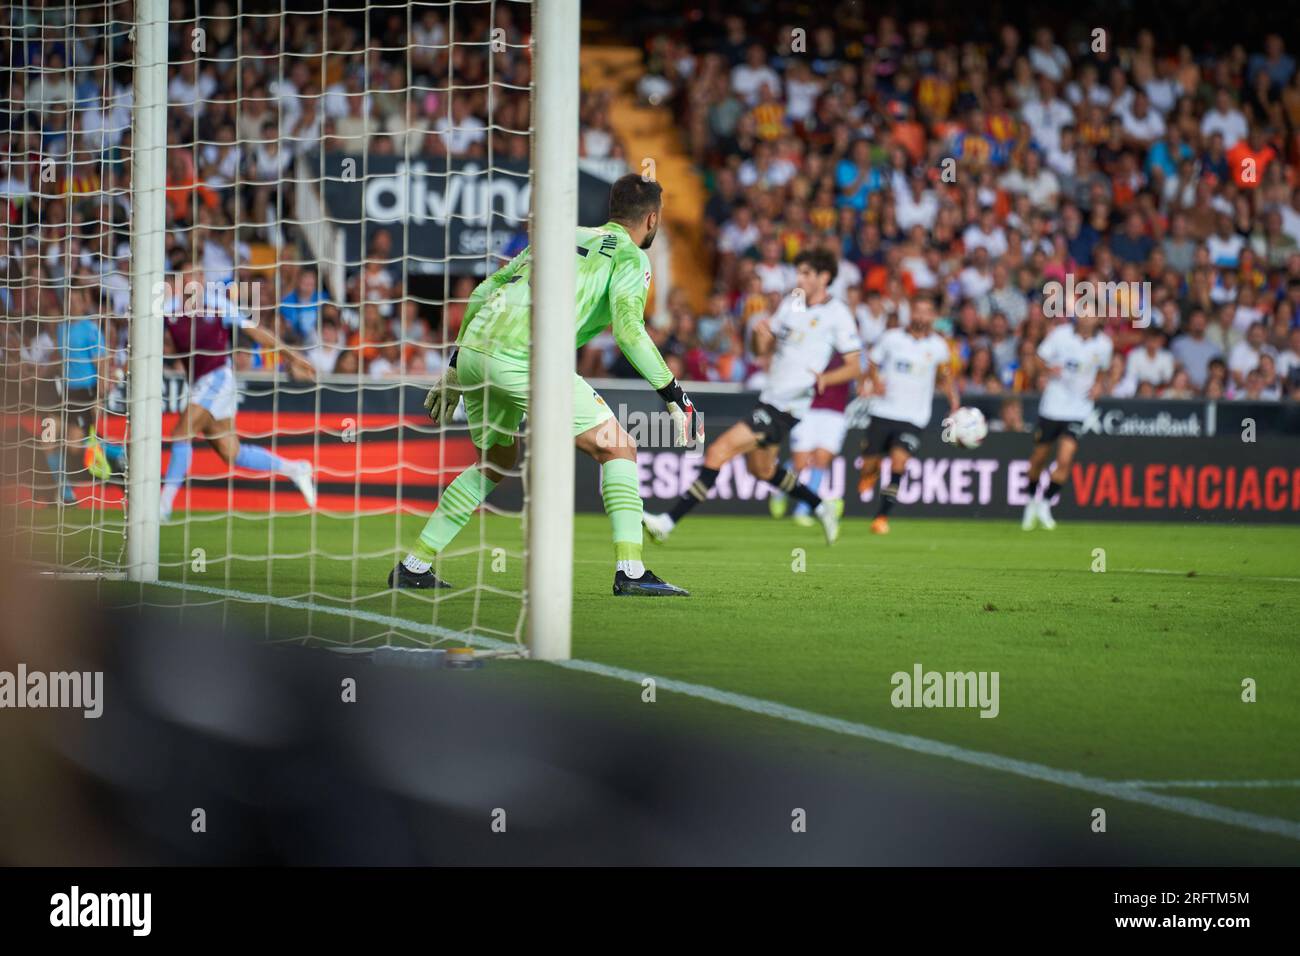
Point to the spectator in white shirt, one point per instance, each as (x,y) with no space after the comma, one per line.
(1291,216)
(801,91)
(914,205)
(847,277)
(1039,184)
(914,261)
(986,234)
(1247,311)
(339,95)
(749,78)
(774,274)
(1063,160)
(1153,364)
(1047,115)
(1271,383)
(1047,58)
(738,233)
(1121,94)
(464,134)
(1288,364)
(1226,119)
(872,317)
(1142,125)
(1244,357)
(1087,90)
(766,168)
(183,92)
(1225,245)
(1121,384)
(325,353)
(49,88)
(977,278)
(1161,86)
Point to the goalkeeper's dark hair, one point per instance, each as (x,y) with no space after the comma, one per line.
(819,260)
(632,198)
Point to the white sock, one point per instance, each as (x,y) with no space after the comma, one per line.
(633,569)
(415,565)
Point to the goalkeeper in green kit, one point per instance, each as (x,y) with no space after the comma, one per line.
(490,370)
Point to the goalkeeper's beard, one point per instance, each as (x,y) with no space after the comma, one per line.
(649,239)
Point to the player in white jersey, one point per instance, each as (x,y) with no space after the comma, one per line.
(815,441)
(904,366)
(806,330)
(1077,360)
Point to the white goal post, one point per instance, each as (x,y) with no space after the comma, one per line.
(550,434)
(148,222)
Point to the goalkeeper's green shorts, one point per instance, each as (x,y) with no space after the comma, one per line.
(496,398)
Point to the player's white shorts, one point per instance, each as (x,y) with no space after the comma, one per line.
(819,428)
(216,393)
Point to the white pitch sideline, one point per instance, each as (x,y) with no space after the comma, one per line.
(1132,792)
(1210,784)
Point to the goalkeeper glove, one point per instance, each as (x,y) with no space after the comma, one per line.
(688,423)
(443,398)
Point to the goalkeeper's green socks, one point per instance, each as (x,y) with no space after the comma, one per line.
(459,501)
(622,495)
(462,497)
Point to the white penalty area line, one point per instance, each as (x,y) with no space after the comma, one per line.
(1139,792)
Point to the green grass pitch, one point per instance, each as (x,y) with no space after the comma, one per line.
(1131,673)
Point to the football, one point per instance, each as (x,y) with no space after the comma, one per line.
(969,429)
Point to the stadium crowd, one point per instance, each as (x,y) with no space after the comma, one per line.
(976,173)
(253,100)
(980,174)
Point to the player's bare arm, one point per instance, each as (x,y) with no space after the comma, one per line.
(845,373)
(869,385)
(269,340)
(762,341)
(948,382)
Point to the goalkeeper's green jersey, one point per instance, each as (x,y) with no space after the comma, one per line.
(612,282)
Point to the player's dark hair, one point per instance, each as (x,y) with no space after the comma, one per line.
(819,260)
(632,198)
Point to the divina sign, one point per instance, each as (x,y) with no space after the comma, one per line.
(440,215)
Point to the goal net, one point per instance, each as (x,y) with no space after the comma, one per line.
(239,241)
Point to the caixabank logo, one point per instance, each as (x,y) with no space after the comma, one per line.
(1161,424)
